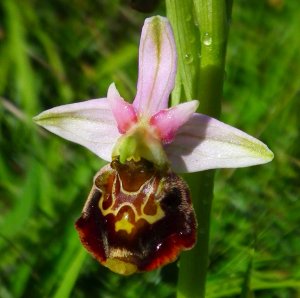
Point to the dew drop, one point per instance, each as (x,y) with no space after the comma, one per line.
(206,39)
(205,202)
(188,58)
(201,231)
(192,39)
(188,18)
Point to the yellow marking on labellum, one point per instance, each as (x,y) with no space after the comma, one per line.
(120,267)
(134,158)
(133,193)
(124,224)
(148,187)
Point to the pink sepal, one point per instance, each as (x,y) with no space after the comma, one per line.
(157,66)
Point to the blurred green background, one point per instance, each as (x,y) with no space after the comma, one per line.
(57,52)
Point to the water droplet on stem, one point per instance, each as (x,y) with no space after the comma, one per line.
(207,39)
(188,58)
(188,18)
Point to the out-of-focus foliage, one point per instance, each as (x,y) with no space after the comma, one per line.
(56,52)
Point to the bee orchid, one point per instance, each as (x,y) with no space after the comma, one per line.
(139,214)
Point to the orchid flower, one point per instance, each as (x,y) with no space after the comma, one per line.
(139,214)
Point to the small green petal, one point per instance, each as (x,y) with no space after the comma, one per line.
(139,143)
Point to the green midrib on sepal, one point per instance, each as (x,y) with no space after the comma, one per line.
(258,150)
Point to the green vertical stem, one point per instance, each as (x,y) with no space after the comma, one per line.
(180,14)
(212,16)
(193,263)
(212,20)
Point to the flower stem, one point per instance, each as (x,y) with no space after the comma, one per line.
(212,20)
(193,263)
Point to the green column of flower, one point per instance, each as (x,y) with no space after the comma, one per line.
(211,19)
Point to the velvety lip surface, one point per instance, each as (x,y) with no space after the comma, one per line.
(138,217)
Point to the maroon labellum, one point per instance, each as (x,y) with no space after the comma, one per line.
(137,217)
